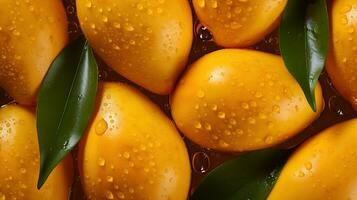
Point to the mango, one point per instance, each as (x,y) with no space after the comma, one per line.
(146,41)
(32,33)
(239,23)
(19,159)
(342,63)
(132,150)
(324,167)
(240,100)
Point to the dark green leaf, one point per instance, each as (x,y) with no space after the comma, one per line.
(304,40)
(250,176)
(65,104)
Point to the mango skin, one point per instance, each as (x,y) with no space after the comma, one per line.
(19,159)
(132,150)
(32,33)
(324,167)
(236,23)
(146,41)
(240,100)
(342,63)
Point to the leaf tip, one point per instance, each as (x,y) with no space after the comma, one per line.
(312,101)
(313,106)
(45,171)
(42,178)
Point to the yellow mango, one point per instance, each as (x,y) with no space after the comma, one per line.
(324,167)
(32,33)
(146,41)
(239,23)
(19,159)
(132,150)
(240,100)
(342,62)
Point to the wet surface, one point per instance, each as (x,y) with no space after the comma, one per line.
(204,160)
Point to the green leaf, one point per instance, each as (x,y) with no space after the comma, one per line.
(304,33)
(65,104)
(249,176)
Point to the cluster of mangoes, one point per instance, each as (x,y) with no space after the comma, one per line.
(231,100)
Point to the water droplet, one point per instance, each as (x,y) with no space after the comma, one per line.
(131,190)
(109,195)
(334,104)
(351,30)
(101,162)
(258,95)
(23,171)
(149,11)
(198,125)
(214,107)
(126,171)
(239,131)
(116,47)
(121,195)
(204,34)
(223,144)
(276,108)
(70,9)
(89,4)
(200,94)
(131,164)
(105,19)
(16,33)
(146,170)
(202,3)
(65,144)
(200,162)
(140,6)
(101,127)
(214,4)
(126,155)
(232,121)
(237,10)
(344,60)
(262,116)
(308,165)
(132,42)
(159,10)
(253,104)
(208,126)
(128,27)
(221,115)
(2,196)
(215,137)
(301,174)
(73,28)
(227,132)
(245,106)
(110,179)
(117,25)
(251,120)
(268,139)
(346,9)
